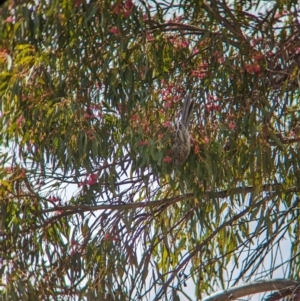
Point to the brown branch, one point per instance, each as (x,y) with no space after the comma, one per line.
(291,290)
(252,288)
(206,194)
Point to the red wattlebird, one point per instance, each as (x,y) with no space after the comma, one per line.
(181,141)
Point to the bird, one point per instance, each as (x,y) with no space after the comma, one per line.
(181,139)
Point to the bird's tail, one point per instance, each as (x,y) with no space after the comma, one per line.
(187,111)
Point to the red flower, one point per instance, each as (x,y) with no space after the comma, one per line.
(88,116)
(215,53)
(167,104)
(215,107)
(110,237)
(149,37)
(141,143)
(199,74)
(117,9)
(249,68)
(257,69)
(209,107)
(9,19)
(129,4)
(270,53)
(206,140)
(196,51)
(231,125)
(115,30)
(54,199)
(81,183)
(77,3)
(134,117)
(127,13)
(167,124)
(107,236)
(167,159)
(212,98)
(183,44)
(258,56)
(19,121)
(92,179)
(221,60)
(254,42)
(253,68)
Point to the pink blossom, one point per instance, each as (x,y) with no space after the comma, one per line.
(204,65)
(129,4)
(88,116)
(183,44)
(110,237)
(134,117)
(142,143)
(212,97)
(117,9)
(199,74)
(167,159)
(114,30)
(215,53)
(278,15)
(107,236)
(53,199)
(19,121)
(82,183)
(126,13)
(9,19)
(212,107)
(167,124)
(209,108)
(77,3)
(253,68)
(221,60)
(231,125)
(257,69)
(254,42)
(270,53)
(92,179)
(196,51)
(149,37)
(259,56)
(167,104)
(215,107)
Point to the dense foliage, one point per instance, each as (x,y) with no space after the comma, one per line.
(91,204)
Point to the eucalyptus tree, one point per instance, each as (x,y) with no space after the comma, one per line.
(92,205)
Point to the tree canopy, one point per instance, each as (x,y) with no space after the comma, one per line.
(92,206)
